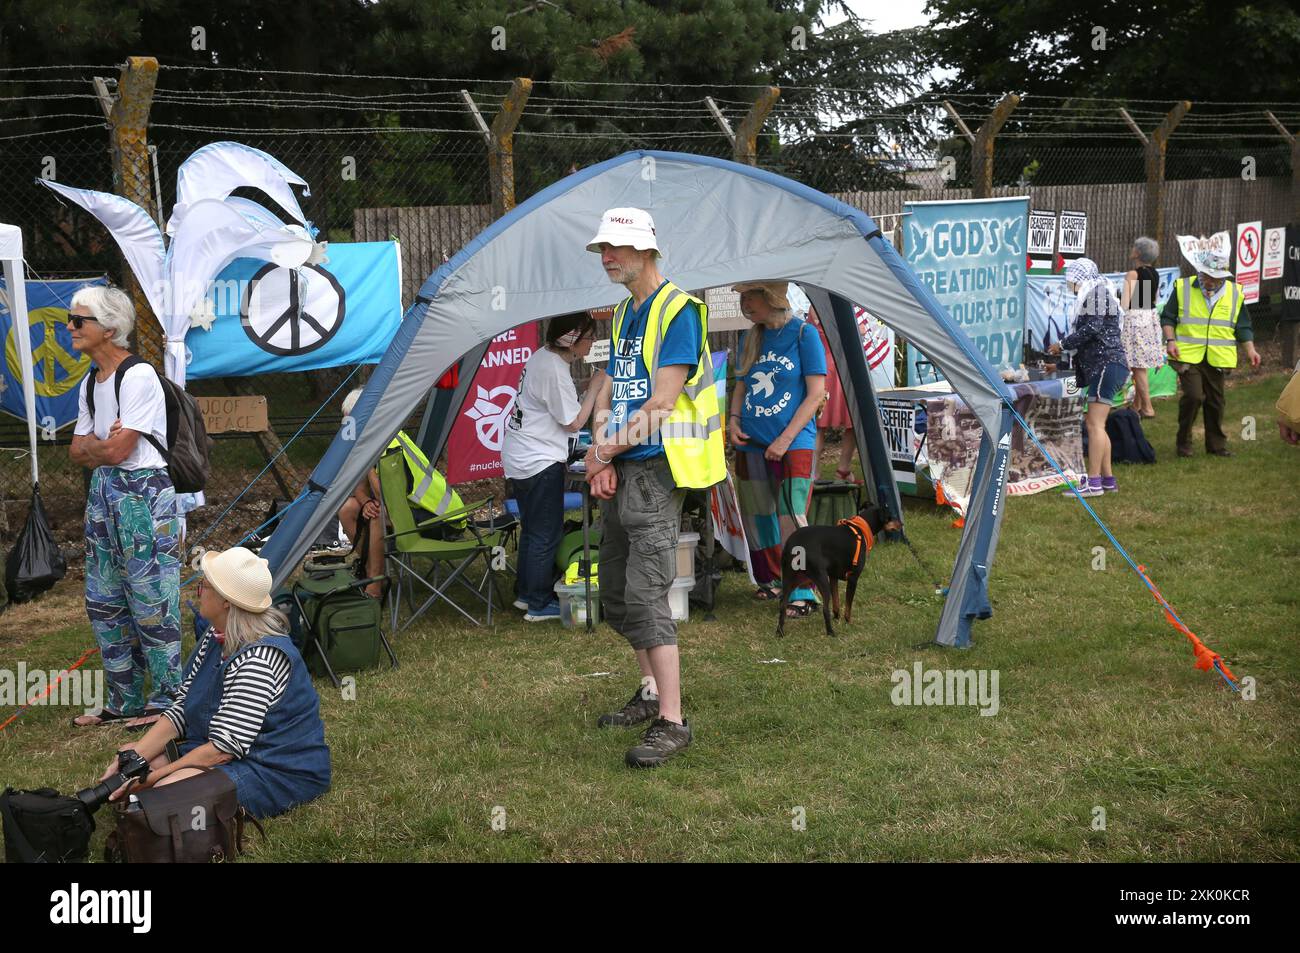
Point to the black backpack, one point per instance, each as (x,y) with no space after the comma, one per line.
(187,460)
(45,827)
(1128,444)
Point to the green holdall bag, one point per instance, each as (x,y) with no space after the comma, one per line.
(336,626)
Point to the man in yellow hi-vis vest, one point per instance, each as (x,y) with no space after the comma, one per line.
(658,433)
(1203,322)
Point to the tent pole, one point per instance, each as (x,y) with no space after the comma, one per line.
(870,440)
(15,283)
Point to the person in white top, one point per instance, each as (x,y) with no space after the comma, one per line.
(535,451)
(132,527)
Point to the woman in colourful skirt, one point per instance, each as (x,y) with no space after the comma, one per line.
(781,377)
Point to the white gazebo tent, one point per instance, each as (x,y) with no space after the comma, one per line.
(11,257)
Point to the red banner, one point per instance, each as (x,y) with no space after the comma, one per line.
(474,447)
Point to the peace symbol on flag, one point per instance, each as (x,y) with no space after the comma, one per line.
(290,311)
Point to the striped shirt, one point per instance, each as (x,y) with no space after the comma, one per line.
(252,683)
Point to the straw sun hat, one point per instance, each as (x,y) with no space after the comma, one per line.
(776,292)
(239,576)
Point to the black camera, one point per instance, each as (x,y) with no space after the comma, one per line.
(130,766)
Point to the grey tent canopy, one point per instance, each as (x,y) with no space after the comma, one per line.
(717,222)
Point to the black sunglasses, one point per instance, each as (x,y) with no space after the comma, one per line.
(77,320)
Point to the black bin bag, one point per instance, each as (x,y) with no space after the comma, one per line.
(35,563)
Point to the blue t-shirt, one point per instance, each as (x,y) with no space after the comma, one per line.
(775,386)
(629,377)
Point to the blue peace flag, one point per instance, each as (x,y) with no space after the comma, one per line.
(272,319)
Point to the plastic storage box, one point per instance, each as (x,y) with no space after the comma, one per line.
(573,603)
(686,543)
(679,598)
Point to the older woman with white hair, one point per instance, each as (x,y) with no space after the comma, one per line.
(1141,331)
(132,527)
(781,377)
(247,706)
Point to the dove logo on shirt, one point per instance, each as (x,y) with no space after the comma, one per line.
(763,386)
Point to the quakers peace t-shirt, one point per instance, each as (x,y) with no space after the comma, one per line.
(775,386)
(630,382)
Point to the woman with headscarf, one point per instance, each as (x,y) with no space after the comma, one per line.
(1101,365)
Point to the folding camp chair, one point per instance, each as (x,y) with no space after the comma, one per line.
(451,561)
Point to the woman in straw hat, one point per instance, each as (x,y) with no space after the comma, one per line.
(247,705)
(781,378)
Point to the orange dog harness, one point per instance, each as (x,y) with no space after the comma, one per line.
(863,540)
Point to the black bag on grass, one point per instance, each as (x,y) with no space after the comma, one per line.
(1128,444)
(35,563)
(45,827)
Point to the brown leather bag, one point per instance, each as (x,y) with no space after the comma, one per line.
(195,821)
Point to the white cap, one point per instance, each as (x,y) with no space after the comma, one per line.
(626,226)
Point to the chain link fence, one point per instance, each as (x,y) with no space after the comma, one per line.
(432,192)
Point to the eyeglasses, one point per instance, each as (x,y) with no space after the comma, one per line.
(77,320)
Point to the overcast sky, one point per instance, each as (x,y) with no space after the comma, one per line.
(887,15)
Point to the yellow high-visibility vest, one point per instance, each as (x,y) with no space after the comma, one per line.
(429,489)
(692,434)
(1200,329)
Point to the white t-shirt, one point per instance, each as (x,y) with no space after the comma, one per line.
(143,409)
(535,436)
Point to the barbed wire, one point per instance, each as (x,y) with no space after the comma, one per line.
(20,69)
(54,132)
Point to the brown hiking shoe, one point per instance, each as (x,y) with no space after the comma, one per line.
(638,709)
(662,740)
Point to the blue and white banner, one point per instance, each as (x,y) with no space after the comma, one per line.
(971,255)
(1049,304)
(57,368)
(270,318)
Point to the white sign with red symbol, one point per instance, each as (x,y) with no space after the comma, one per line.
(1250,246)
(1274,253)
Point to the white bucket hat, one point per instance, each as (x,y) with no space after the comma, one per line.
(239,576)
(626,226)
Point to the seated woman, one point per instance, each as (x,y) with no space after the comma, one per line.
(427,492)
(247,705)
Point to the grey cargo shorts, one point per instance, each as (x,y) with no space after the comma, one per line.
(638,558)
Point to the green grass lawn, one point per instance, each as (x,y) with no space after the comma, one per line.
(1100,706)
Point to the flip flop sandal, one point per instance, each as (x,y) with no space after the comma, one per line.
(793,611)
(766,595)
(104,718)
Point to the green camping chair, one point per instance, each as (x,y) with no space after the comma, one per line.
(451,562)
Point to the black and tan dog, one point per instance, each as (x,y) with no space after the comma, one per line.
(823,555)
